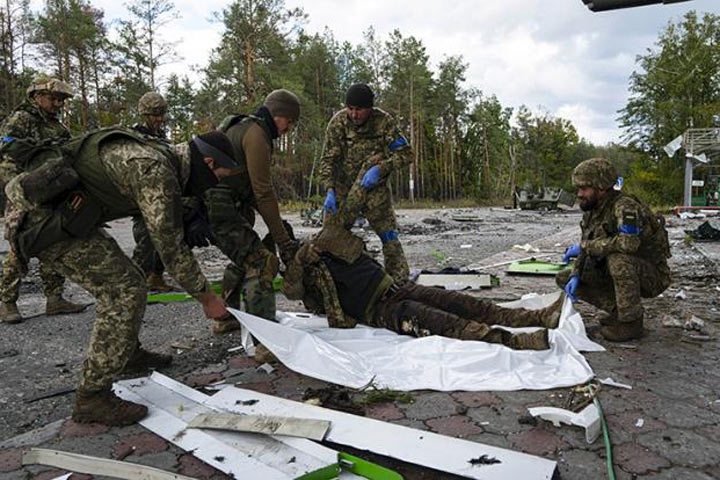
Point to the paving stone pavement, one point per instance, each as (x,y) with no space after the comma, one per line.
(667,427)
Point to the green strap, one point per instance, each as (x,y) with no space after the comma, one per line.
(186,297)
(352,464)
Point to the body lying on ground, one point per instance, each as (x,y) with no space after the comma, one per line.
(334,276)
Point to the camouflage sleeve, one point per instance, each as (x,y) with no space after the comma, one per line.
(152,181)
(323,281)
(628,220)
(332,155)
(17,125)
(293,280)
(398,154)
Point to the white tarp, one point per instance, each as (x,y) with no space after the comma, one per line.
(355,357)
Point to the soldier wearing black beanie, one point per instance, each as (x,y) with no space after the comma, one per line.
(359,95)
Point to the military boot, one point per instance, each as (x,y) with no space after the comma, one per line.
(550,315)
(56,305)
(263,355)
(9,313)
(530,341)
(143,360)
(225,325)
(623,331)
(156,283)
(106,408)
(606,319)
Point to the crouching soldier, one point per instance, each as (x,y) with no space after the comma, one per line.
(622,256)
(56,214)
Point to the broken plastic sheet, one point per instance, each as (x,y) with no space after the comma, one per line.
(356,357)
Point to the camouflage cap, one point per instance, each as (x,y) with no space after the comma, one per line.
(152,103)
(44,83)
(596,173)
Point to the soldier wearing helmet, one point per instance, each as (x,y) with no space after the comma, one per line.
(37,118)
(622,256)
(152,107)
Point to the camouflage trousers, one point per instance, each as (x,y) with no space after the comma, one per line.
(97,264)
(423,311)
(53,283)
(617,283)
(250,274)
(376,206)
(144,253)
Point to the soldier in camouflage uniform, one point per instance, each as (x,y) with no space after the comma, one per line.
(363,146)
(332,275)
(622,256)
(232,203)
(35,119)
(120,174)
(152,107)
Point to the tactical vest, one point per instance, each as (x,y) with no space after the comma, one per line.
(655,245)
(99,199)
(236,126)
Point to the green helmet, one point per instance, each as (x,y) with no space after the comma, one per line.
(283,103)
(152,103)
(44,83)
(596,173)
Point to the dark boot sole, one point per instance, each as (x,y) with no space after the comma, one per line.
(66,311)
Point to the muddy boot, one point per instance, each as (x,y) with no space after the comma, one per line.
(9,313)
(263,355)
(225,325)
(106,408)
(530,341)
(156,283)
(623,331)
(56,305)
(606,319)
(143,360)
(550,315)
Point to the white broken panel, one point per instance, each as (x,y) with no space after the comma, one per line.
(96,466)
(428,449)
(172,405)
(464,281)
(588,418)
(268,424)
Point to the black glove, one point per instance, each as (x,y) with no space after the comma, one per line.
(198,232)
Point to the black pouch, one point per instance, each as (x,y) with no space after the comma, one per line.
(80,214)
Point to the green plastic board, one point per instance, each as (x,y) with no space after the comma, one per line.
(352,464)
(184,297)
(535,267)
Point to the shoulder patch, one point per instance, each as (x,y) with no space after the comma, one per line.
(629,223)
(399,142)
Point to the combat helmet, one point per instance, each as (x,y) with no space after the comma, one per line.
(596,173)
(44,83)
(152,103)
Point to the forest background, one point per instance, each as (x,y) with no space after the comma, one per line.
(468,147)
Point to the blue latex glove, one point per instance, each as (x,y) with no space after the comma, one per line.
(330,203)
(571,288)
(371,177)
(572,252)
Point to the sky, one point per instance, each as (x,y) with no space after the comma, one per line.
(550,55)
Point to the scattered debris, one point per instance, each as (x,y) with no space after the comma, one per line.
(704,233)
(526,248)
(267,424)
(51,393)
(181,346)
(681,295)
(640,422)
(432,221)
(669,321)
(9,353)
(96,466)
(483,460)
(527,420)
(466,245)
(466,218)
(333,397)
(691,338)
(219,458)
(384,395)
(266,367)
(613,383)
(235,349)
(588,418)
(247,403)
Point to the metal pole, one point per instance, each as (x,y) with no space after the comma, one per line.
(687,200)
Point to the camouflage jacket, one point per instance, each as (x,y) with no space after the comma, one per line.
(350,148)
(28,122)
(622,223)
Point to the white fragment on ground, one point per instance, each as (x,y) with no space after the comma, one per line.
(669,321)
(640,422)
(267,368)
(467,245)
(526,248)
(609,381)
(681,295)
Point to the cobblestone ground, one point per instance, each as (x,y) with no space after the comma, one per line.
(666,427)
